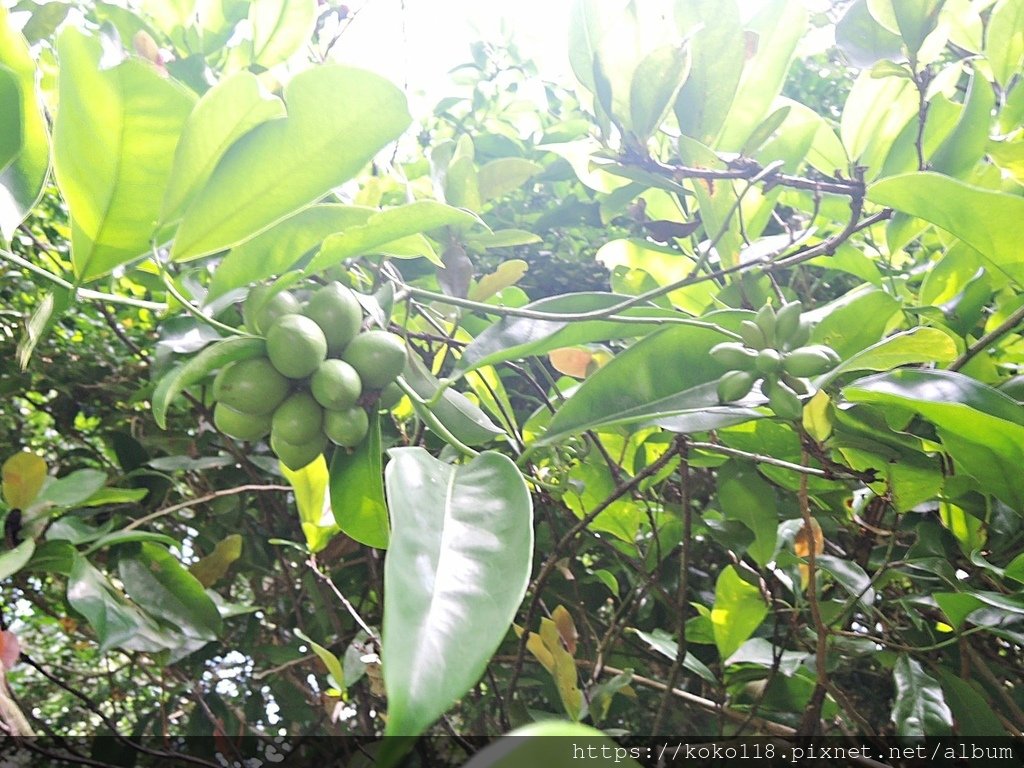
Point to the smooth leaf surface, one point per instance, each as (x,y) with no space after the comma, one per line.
(224,114)
(23,172)
(920,708)
(23,476)
(531,745)
(918,345)
(155,580)
(987,221)
(514,337)
(114,140)
(456,570)
(279,28)
(385,226)
(746,496)
(499,177)
(739,609)
(357,491)
(13,560)
(338,118)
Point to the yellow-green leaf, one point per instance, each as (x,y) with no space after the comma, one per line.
(23,476)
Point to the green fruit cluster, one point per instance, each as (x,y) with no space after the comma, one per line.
(321,373)
(774,350)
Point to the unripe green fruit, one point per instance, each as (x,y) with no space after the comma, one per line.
(377,356)
(768,361)
(261,309)
(782,400)
(335,384)
(810,361)
(765,320)
(296,346)
(298,419)
(346,428)
(797,385)
(733,355)
(735,385)
(295,457)
(390,396)
(338,313)
(241,426)
(787,321)
(800,335)
(752,335)
(250,386)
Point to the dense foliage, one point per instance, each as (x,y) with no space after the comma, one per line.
(710,421)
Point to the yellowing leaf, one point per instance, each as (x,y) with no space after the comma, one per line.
(508,273)
(817,418)
(23,475)
(310,485)
(566,627)
(212,568)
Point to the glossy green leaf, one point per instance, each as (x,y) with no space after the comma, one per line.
(74,488)
(199,367)
(738,611)
(1004,40)
(918,345)
(223,115)
(457,568)
(863,39)
(590,484)
(915,20)
(966,144)
(114,140)
(338,118)
(497,178)
(23,171)
(982,428)
(985,220)
(656,82)
(874,114)
(116,622)
(310,487)
(515,337)
(920,708)
(664,643)
(156,581)
(850,576)
(466,421)
(280,28)
(13,560)
(853,321)
(635,384)
(778,27)
(389,225)
(972,712)
(957,606)
(10,119)
(745,496)
(357,490)
(718,54)
(503,238)
(278,249)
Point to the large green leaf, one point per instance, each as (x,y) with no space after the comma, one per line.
(987,221)
(515,337)
(981,428)
(455,573)
(279,28)
(966,143)
(718,54)
(385,226)
(533,745)
(745,496)
(464,420)
(114,141)
(920,708)
(10,118)
(499,177)
(864,40)
(338,118)
(199,367)
(656,82)
(13,560)
(1004,40)
(739,609)
(631,386)
(163,587)
(357,490)
(23,172)
(874,114)
(278,249)
(854,321)
(778,27)
(972,711)
(918,345)
(227,112)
